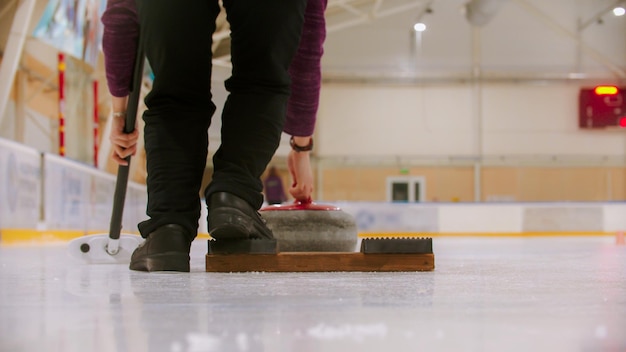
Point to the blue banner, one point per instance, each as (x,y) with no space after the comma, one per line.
(74,27)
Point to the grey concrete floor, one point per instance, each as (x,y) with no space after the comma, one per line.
(486,294)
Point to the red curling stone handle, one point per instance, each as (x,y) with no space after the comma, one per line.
(299,204)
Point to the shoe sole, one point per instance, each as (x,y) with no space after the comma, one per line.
(236,225)
(229,232)
(171,261)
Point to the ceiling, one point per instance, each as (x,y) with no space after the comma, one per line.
(340,15)
(374,40)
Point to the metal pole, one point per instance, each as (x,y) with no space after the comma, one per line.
(119,197)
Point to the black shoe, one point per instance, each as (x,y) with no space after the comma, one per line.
(231,217)
(166,249)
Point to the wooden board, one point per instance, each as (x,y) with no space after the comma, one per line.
(319,262)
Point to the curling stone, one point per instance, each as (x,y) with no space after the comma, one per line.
(305,226)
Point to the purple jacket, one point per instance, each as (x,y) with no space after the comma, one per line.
(119,43)
(306,72)
(274,191)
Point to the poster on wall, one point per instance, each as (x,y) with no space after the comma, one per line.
(74,27)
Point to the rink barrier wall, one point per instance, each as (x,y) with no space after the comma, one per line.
(45,197)
(79,197)
(488,219)
(20,186)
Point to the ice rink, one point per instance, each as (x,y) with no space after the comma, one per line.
(485,294)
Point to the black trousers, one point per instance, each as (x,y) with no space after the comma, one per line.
(177,35)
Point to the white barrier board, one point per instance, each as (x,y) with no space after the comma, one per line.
(480,217)
(79,197)
(20,186)
(563,217)
(66,184)
(393,217)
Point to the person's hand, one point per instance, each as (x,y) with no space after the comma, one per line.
(124,144)
(299,164)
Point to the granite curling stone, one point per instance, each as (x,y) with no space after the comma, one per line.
(311,227)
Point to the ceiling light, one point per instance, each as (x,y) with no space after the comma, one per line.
(419,27)
(619,11)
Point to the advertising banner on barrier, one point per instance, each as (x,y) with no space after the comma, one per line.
(101,191)
(66,184)
(20,186)
(562,217)
(79,197)
(393,217)
(135,208)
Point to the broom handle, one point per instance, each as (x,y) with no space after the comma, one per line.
(121,184)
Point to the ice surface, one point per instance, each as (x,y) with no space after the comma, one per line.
(486,294)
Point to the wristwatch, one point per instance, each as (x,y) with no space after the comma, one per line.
(298,148)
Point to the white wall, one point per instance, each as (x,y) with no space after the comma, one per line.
(439,120)
(381,120)
(388,94)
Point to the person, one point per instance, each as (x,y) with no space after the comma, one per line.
(177,40)
(273,186)
(302,107)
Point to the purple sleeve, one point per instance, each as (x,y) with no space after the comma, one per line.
(119,44)
(305,71)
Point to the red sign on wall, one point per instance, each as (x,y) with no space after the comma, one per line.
(602,106)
